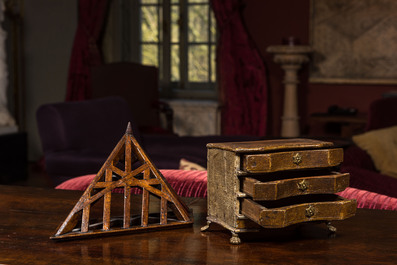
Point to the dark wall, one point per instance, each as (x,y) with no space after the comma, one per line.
(48,28)
(268,23)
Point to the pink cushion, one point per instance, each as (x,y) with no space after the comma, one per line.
(370,200)
(193,183)
(186,183)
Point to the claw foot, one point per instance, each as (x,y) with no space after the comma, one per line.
(235,239)
(206,227)
(331,228)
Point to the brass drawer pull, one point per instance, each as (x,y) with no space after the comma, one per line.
(297,159)
(302,185)
(310,211)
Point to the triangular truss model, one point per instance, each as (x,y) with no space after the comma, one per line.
(126,168)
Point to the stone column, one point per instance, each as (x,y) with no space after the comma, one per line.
(290,57)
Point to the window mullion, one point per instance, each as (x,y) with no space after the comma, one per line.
(209,44)
(166,47)
(135,31)
(183,48)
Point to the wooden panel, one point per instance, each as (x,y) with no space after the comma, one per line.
(318,209)
(278,189)
(292,160)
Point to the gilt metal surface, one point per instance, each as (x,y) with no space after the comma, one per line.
(270,145)
(274,184)
(292,160)
(278,217)
(261,188)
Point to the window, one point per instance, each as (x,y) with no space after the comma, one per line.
(179,37)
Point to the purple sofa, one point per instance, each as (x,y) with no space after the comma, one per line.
(363,174)
(77,138)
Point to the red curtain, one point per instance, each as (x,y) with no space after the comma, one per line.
(85,51)
(242,74)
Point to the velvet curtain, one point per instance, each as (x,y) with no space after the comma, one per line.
(241,71)
(85,51)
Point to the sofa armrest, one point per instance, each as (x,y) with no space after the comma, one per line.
(361,178)
(354,156)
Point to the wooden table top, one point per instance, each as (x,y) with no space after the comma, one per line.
(29,216)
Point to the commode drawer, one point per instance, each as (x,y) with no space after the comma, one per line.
(278,189)
(291,160)
(282,213)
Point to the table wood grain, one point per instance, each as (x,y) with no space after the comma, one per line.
(29,216)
